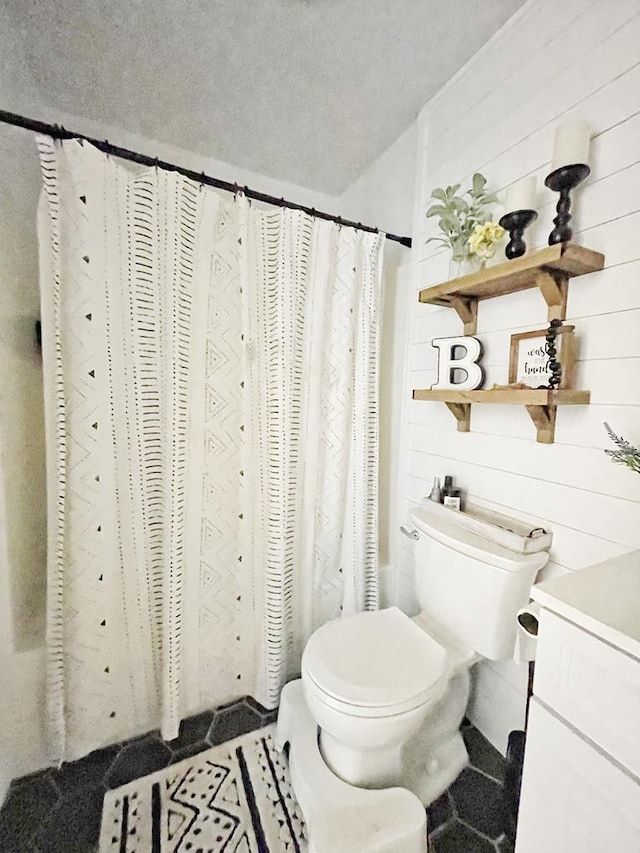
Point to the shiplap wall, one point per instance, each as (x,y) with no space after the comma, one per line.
(555,61)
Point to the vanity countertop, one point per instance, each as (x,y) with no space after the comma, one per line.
(604,599)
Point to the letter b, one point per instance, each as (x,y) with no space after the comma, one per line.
(450,361)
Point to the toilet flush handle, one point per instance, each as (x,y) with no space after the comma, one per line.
(410,534)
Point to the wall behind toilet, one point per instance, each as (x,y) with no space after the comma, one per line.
(554,61)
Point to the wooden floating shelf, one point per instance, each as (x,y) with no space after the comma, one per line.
(541,404)
(548,269)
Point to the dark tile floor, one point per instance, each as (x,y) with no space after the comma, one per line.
(59,810)
(469,816)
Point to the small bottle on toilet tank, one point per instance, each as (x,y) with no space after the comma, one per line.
(454,499)
(436,491)
(451,496)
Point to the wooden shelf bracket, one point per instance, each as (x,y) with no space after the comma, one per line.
(466,307)
(554,288)
(462,414)
(544,419)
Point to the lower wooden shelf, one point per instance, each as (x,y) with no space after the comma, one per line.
(541,404)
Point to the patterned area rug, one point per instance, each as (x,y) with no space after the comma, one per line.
(235,798)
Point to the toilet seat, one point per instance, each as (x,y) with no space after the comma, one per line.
(374,664)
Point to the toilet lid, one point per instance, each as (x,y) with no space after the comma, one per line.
(375,659)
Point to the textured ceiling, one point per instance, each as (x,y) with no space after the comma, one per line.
(308,91)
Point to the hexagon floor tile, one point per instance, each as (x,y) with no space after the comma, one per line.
(143,756)
(457,837)
(60,809)
(478,802)
(234,721)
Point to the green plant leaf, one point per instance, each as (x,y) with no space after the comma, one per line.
(478,181)
(436,210)
(442,240)
(626,454)
(450,221)
(439,194)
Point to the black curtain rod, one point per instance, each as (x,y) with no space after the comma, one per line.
(59,132)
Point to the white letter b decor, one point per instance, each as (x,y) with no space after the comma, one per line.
(458,367)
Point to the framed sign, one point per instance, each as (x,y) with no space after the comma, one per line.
(530,363)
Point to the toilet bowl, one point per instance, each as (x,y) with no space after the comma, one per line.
(389,711)
(369,681)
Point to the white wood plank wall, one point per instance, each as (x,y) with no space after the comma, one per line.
(555,61)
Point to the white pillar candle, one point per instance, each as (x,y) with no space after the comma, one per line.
(571,144)
(521,195)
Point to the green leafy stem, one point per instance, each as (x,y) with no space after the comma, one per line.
(458,216)
(626,453)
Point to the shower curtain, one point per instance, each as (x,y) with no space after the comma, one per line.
(211,375)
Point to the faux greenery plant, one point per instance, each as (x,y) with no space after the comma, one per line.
(626,454)
(458,215)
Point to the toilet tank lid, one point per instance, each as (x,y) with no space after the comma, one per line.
(444,527)
(374,659)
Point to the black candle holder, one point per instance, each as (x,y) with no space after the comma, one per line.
(562,181)
(516,223)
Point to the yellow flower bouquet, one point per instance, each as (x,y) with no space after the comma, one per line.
(484,239)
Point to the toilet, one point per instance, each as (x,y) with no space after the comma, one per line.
(388,692)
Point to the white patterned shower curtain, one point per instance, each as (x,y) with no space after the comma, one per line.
(211,375)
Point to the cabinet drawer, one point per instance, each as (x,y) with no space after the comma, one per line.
(573,798)
(592,685)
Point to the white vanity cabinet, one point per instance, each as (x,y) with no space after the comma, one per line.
(581,780)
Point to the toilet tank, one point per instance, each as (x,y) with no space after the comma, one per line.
(469,585)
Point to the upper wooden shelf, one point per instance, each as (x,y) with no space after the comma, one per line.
(548,269)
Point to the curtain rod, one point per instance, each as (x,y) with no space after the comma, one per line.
(59,132)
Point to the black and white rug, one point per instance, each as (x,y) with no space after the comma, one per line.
(234,798)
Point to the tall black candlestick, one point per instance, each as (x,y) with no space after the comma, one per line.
(562,181)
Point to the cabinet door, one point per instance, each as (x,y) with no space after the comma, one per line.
(593,686)
(574,799)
